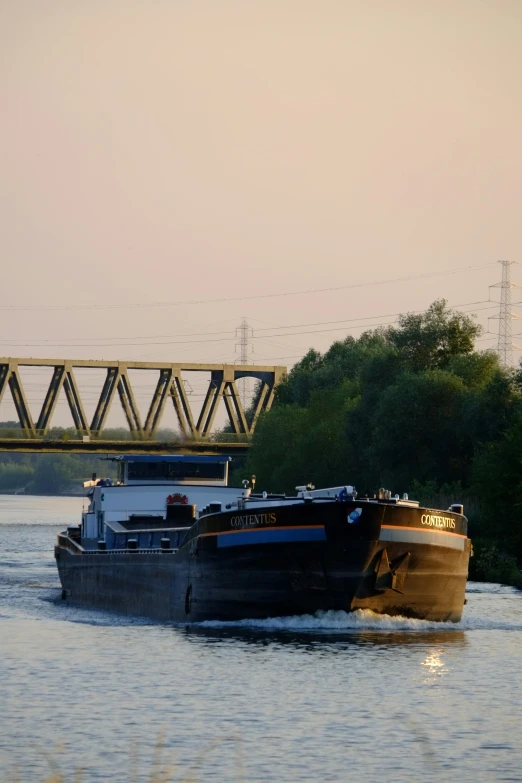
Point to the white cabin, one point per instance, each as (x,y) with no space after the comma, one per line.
(147,483)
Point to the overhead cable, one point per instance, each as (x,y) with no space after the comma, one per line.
(182,302)
(46,343)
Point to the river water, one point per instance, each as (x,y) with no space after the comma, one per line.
(333,698)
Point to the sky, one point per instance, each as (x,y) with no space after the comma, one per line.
(169,168)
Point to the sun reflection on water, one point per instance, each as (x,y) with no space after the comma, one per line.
(434,666)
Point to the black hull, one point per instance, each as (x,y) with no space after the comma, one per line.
(353,568)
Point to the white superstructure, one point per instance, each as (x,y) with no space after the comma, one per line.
(147,484)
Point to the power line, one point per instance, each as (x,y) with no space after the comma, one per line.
(181,302)
(45,343)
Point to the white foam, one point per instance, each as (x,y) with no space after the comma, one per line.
(492,588)
(334,620)
(360,620)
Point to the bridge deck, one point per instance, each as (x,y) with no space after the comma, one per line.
(121,446)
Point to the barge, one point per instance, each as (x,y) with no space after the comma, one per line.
(170,540)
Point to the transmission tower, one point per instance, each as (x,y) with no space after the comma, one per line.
(244,332)
(505,317)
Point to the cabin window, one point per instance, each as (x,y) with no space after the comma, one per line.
(175,471)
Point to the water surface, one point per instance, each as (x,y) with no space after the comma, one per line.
(335,697)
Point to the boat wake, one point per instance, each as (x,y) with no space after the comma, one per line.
(491,588)
(360,620)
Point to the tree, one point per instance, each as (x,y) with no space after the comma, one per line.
(275,458)
(498,484)
(412,433)
(294,445)
(344,360)
(429,340)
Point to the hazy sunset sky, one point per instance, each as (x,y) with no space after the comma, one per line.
(164,152)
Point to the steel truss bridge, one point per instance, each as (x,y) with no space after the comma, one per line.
(170,384)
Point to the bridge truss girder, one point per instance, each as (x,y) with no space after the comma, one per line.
(222,387)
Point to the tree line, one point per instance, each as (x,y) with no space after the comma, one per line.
(412,408)
(54,474)
(50,474)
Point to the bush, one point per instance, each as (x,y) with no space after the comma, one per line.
(14,477)
(490,564)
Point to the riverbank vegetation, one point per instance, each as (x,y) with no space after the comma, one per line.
(50,474)
(56,474)
(412,408)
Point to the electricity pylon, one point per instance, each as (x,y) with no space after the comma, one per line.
(505,316)
(244,332)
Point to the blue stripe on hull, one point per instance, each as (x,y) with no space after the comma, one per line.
(243,537)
